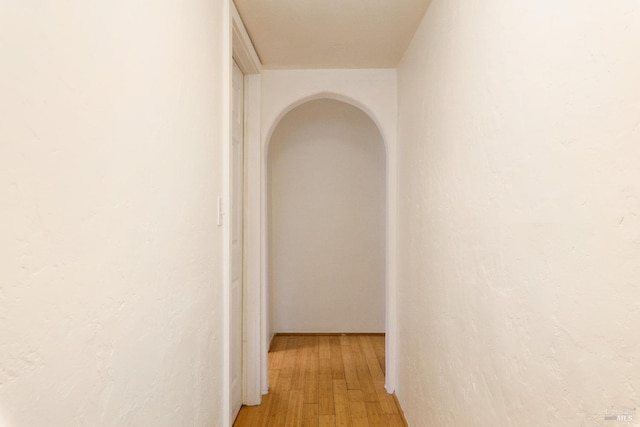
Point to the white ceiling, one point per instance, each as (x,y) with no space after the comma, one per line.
(294,34)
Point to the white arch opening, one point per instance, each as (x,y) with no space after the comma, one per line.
(327,220)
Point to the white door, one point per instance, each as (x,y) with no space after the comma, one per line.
(236,212)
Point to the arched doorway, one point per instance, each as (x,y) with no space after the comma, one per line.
(271,97)
(327,219)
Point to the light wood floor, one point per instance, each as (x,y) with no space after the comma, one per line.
(335,380)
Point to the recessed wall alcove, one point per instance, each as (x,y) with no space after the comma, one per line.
(326,169)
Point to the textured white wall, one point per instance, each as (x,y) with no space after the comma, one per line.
(519,213)
(327,220)
(110,159)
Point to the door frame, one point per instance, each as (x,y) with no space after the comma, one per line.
(345,86)
(237,46)
(245,56)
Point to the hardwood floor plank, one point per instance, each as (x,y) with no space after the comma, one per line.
(267,411)
(311,387)
(325,398)
(289,358)
(327,421)
(324,349)
(294,408)
(394,420)
(374,415)
(281,406)
(297,382)
(355,395)
(244,418)
(325,381)
(310,416)
(274,374)
(358,357)
(324,369)
(337,366)
(358,414)
(378,347)
(368,391)
(387,403)
(341,403)
(371,359)
(311,367)
(276,354)
(350,372)
(357,408)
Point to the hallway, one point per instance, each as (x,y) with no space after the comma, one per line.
(325,380)
(511,213)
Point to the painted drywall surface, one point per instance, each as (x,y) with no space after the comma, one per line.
(374,91)
(110,286)
(519,213)
(327,220)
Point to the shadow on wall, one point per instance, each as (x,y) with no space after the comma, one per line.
(327,221)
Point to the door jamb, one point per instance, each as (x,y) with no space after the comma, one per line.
(253,366)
